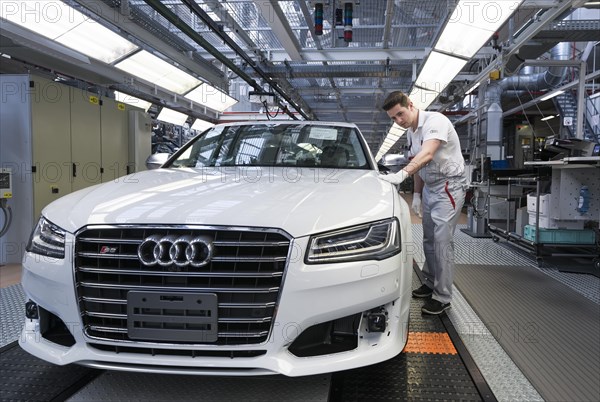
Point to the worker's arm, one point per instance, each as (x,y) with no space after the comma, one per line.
(425,155)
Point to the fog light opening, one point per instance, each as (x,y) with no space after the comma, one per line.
(31,310)
(54,329)
(377,320)
(328,337)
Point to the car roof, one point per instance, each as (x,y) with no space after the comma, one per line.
(290,122)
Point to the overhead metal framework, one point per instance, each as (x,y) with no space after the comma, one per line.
(240,46)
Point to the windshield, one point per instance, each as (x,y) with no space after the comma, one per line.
(272,144)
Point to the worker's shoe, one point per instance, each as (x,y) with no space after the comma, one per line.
(423,292)
(434,307)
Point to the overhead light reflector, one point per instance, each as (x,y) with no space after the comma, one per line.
(547,118)
(57,21)
(132,100)
(211,97)
(472,23)
(201,125)
(172,116)
(157,71)
(438,71)
(474,87)
(552,95)
(421,98)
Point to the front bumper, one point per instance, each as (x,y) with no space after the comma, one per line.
(311,294)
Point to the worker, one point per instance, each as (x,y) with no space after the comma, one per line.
(440,184)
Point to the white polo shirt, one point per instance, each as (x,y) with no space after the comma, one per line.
(448,162)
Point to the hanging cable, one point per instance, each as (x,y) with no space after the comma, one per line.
(269,116)
(7,212)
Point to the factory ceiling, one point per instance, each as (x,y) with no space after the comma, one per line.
(336,68)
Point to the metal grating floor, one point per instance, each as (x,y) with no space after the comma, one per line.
(551,332)
(119,386)
(483,251)
(12,308)
(504,378)
(502,375)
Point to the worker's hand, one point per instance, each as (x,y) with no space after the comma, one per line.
(395,178)
(416,204)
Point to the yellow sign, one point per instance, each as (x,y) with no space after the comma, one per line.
(94,100)
(121,106)
(7,195)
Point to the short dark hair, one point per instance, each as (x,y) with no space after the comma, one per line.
(395,98)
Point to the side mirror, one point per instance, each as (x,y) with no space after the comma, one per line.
(383,168)
(155,161)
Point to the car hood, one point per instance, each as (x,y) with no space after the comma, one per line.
(300,201)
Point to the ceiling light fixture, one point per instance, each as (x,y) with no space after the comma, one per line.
(469,27)
(157,71)
(132,100)
(211,97)
(474,87)
(57,21)
(172,116)
(552,95)
(547,118)
(201,125)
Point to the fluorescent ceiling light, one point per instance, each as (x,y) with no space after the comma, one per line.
(172,116)
(474,87)
(57,21)
(421,98)
(472,23)
(394,134)
(211,97)
(132,100)
(201,125)
(157,71)
(552,95)
(594,96)
(438,71)
(547,118)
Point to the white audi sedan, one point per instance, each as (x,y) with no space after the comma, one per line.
(257,248)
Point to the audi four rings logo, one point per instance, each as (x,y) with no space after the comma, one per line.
(182,251)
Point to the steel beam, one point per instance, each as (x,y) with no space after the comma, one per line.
(353,54)
(272,13)
(99,10)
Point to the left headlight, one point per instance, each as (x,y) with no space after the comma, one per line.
(47,239)
(371,241)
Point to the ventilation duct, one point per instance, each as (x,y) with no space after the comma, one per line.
(550,78)
(492,119)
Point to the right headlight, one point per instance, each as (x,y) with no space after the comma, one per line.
(371,241)
(47,239)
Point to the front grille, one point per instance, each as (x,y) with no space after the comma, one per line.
(245,272)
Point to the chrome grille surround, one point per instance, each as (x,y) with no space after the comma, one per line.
(246,272)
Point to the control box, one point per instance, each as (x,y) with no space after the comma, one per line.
(5,183)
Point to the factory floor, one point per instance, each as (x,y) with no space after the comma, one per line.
(481,349)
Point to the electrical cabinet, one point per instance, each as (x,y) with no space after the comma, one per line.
(50,114)
(86,141)
(56,139)
(115,146)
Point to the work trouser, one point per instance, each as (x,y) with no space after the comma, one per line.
(442,205)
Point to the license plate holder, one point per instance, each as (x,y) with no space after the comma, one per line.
(172,316)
